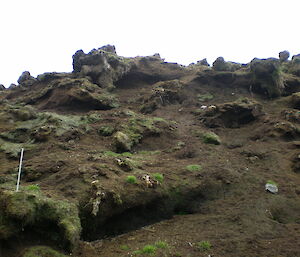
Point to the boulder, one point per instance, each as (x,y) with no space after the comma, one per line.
(26,79)
(203,62)
(284,56)
(122,142)
(49,76)
(267,77)
(272,188)
(220,65)
(232,114)
(163,93)
(12,86)
(102,65)
(109,48)
(2,87)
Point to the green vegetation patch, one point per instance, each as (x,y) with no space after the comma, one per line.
(33,188)
(42,251)
(131,179)
(272,182)
(124,247)
(113,154)
(205,97)
(194,167)
(159,177)
(204,245)
(211,138)
(147,249)
(161,244)
(135,128)
(32,209)
(106,131)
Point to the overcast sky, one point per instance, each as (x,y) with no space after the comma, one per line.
(41,36)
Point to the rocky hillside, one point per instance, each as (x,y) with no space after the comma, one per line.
(140,157)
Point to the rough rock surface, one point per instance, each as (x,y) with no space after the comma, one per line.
(101,178)
(164,93)
(284,56)
(267,77)
(232,114)
(102,65)
(26,79)
(220,65)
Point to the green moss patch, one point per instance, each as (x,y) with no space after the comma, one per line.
(194,167)
(41,251)
(30,209)
(211,138)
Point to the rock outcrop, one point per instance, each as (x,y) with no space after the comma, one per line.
(78,94)
(26,79)
(284,56)
(221,65)
(102,65)
(231,115)
(267,77)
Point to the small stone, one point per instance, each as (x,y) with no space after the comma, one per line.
(271,188)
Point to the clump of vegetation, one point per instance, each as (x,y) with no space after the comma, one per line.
(272,182)
(26,208)
(161,244)
(33,188)
(42,251)
(134,129)
(106,131)
(159,177)
(124,247)
(113,154)
(150,249)
(194,167)
(147,249)
(205,97)
(91,118)
(204,245)
(131,179)
(211,138)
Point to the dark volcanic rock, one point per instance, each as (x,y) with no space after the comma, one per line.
(231,115)
(284,56)
(12,86)
(267,77)
(203,62)
(102,65)
(220,65)
(26,79)
(48,76)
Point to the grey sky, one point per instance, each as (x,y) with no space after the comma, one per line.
(41,36)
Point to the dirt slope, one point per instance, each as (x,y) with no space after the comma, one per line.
(138,157)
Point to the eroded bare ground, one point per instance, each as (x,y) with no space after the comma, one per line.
(137,157)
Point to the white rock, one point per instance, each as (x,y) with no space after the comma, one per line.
(271,188)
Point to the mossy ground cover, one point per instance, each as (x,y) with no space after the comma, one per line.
(41,251)
(30,209)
